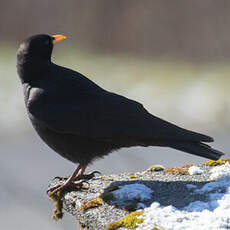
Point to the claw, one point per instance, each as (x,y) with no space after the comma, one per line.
(71,182)
(67,187)
(79,185)
(56,186)
(88,176)
(59,178)
(96,172)
(50,190)
(83,181)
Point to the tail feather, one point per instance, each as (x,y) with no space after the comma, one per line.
(197,148)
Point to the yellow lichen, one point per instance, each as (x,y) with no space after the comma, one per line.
(178,170)
(83,186)
(56,198)
(216,162)
(109,179)
(58,203)
(132,176)
(82,226)
(155,168)
(91,204)
(129,221)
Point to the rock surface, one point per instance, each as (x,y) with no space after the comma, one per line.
(97,205)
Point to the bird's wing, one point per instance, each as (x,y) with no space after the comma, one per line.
(108,116)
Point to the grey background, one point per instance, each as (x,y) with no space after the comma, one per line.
(172,56)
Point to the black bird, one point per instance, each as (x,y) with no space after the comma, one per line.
(81,121)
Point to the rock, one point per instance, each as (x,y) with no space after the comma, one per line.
(112,201)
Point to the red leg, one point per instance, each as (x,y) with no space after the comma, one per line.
(82,176)
(68,182)
(78,175)
(83,168)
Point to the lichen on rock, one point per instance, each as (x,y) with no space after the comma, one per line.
(129,221)
(216,162)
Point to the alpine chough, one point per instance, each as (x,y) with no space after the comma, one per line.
(81,121)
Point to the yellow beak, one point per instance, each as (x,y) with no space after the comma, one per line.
(58,38)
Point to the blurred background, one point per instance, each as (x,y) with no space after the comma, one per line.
(172,56)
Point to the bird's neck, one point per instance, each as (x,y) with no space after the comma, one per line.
(32,69)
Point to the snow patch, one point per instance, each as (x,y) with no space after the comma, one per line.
(212,214)
(195,170)
(220,172)
(191,186)
(133,192)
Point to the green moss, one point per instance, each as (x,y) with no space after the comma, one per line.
(129,221)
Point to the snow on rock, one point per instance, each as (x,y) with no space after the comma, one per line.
(133,192)
(191,186)
(195,170)
(220,172)
(213,214)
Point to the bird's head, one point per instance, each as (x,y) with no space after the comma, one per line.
(36,51)
(38,46)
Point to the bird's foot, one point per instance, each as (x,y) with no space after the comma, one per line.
(67,186)
(87,176)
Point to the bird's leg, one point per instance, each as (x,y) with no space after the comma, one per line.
(78,175)
(90,176)
(68,183)
(81,175)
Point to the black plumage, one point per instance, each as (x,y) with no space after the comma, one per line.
(81,121)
